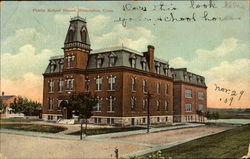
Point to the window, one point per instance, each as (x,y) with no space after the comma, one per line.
(188,93)
(70,84)
(167,89)
(158,87)
(50,100)
(60,85)
(144,86)
(166,105)
(111,61)
(201,107)
(97,108)
(52,66)
(133,100)
(166,118)
(158,119)
(201,95)
(144,120)
(87,84)
(188,107)
(61,65)
(111,104)
(112,121)
(157,67)
(70,60)
(133,84)
(83,35)
(98,83)
(143,66)
(144,104)
(158,105)
(99,63)
(112,83)
(133,62)
(51,85)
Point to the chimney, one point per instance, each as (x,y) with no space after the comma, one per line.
(151,58)
(2,93)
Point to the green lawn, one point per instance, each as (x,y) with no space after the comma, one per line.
(233,116)
(34,127)
(229,144)
(96,131)
(19,120)
(161,125)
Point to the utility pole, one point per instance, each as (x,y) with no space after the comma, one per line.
(148,121)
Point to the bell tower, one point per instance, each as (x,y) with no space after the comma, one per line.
(76,45)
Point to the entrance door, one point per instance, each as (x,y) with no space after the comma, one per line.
(133,121)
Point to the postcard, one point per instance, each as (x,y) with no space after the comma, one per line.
(125,79)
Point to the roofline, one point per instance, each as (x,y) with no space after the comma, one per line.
(116,48)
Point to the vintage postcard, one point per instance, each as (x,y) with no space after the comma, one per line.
(125,79)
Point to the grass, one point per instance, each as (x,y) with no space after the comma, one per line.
(19,120)
(97,131)
(161,125)
(233,116)
(228,144)
(34,127)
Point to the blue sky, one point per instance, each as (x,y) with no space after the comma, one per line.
(217,50)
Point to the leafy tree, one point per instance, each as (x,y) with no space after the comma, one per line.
(208,115)
(82,104)
(25,106)
(2,106)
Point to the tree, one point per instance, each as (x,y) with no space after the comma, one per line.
(25,106)
(82,104)
(208,115)
(199,112)
(2,106)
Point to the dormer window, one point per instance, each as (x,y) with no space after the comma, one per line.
(190,77)
(166,67)
(143,64)
(99,60)
(61,65)
(157,67)
(83,34)
(71,33)
(133,60)
(112,59)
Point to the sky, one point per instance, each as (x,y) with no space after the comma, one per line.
(216,49)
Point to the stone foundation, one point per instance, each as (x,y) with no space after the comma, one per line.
(127,121)
(189,118)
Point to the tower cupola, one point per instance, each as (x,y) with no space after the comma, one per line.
(77,35)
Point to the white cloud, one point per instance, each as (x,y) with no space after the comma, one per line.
(29,86)
(231,71)
(22,37)
(178,62)
(98,23)
(14,66)
(136,38)
(227,46)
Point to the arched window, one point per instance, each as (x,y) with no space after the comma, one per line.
(83,34)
